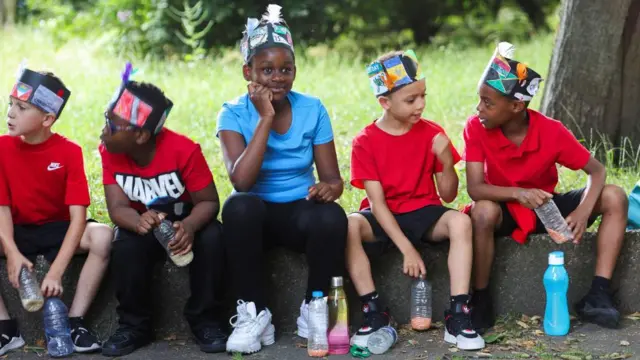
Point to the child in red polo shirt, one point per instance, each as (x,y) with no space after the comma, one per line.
(43,204)
(511,154)
(395,159)
(143,162)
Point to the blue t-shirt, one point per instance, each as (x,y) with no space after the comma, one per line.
(287,168)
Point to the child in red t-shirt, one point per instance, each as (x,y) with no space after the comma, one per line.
(143,162)
(395,159)
(43,204)
(511,154)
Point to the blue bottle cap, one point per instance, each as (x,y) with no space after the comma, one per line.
(317,294)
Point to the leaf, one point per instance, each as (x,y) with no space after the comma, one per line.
(539,332)
(570,357)
(635,316)
(412,342)
(522,325)
(453,349)
(483,354)
(624,343)
(536,318)
(40,343)
(494,338)
(525,318)
(300,345)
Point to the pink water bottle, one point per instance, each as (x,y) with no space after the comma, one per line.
(338,318)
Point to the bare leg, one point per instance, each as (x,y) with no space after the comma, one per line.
(485,217)
(613,205)
(357,260)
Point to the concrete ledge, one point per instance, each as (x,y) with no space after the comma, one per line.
(517,285)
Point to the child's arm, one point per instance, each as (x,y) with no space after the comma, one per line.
(413,264)
(447,179)
(330,186)
(15,260)
(52,283)
(206,207)
(479,190)
(579,218)
(126,217)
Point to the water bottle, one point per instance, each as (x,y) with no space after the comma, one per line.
(338,318)
(165,234)
(56,328)
(556,283)
(29,291)
(553,221)
(382,340)
(420,304)
(317,342)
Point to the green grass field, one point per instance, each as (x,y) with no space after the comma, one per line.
(199,89)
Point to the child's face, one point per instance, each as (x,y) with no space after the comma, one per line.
(24,118)
(274,68)
(494,109)
(118,135)
(406,104)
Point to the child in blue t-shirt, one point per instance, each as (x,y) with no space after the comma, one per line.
(271,137)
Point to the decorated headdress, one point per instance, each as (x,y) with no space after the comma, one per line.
(42,91)
(270,31)
(510,77)
(138,109)
(391,74)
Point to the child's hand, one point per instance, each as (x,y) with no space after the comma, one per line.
(15,262)
(440,147)
(577,222)
(183,240)
(261,98)
(147,222)
(532,198)
(52,286)
(413,264)
(322,192)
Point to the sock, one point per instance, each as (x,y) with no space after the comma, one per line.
(600,283)
(9,327)
(455,301)
(369,297)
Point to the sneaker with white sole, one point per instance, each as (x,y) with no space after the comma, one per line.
(10,338)
(250,330)
(374,319)
(84,341)
(459,329)
(303,320)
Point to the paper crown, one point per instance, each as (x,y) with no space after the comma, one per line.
(269,32)
(510,77)
(391,74)
(129,104)
(40,90)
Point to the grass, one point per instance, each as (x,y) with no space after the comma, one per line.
(199,89)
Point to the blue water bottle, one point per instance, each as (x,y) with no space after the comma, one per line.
(556,284)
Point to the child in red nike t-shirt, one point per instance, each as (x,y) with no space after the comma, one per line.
(143,162)
(43,204)
(395,160)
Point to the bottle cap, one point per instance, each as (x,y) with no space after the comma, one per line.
(337,281)
(556,258)
(317,294)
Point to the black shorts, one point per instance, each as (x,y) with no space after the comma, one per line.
(415,225)
(45,239)
(566,203)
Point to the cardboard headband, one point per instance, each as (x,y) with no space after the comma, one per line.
(510,77)
(270,32)
(41,91)
(390,75)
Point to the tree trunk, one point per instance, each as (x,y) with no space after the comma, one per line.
(594,77)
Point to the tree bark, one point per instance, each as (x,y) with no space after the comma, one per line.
(594,77)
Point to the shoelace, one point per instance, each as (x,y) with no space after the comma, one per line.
(242,318)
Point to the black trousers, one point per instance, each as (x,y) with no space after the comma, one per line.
(132,263)
(252,225)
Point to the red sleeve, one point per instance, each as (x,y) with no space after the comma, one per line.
(472,143)
(108,176)
(572,154)
(195,171)
(454,152)
(5,197)
(362,164)
(77,189)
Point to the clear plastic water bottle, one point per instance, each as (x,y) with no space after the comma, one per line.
(165,234)
(556,284)
(317,342)
(382,340)
(57,330)
(338,318)
(420,304)
(29,291)
(553,221)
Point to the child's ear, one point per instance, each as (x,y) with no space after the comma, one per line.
(246,72)
(518,106)
(385,102)
(142,136)
(48,120)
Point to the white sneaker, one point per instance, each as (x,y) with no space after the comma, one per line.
(303,320)
(250,331)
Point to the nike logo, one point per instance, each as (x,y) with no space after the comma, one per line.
(54,166)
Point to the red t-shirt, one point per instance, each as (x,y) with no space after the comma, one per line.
(532,165)
(404,165)
(40,182)
(177,169)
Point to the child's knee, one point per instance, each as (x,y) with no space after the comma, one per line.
(101,237)
(614,199)
(485,214)
(460,228)
(355,223)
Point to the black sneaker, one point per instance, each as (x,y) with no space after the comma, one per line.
(459,329)
(10,338)
(83,340)
(597,307)
(124,341)
(374,319)
(211,339)
(482,315)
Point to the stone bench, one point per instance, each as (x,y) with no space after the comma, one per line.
(517,285)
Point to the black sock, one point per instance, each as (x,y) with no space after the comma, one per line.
(373,296)
(370,302)
(455,302)
(600,283)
